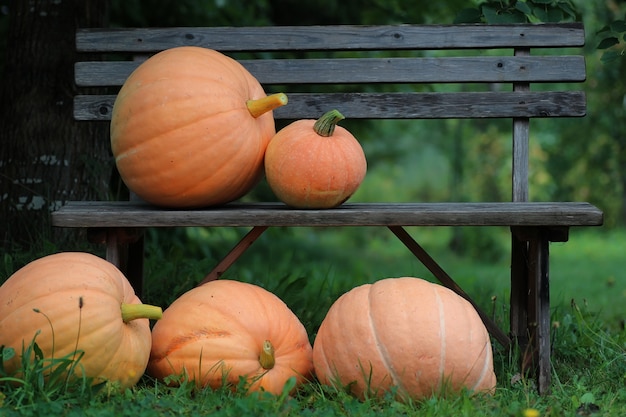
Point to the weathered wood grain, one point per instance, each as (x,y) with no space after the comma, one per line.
(475,69)
(397,105)
(312,38)
(138,214)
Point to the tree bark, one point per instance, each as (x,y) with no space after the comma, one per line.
(46,157)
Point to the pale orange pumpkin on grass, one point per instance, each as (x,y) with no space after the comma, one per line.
(189,128)
(225,330)
(407,334)
(81,307)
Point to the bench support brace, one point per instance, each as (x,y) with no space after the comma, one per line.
(234,254)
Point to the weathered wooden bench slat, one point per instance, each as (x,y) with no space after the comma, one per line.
(375,70)
(397,105)
(138,214)
(397,37)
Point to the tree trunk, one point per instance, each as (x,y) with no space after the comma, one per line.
(46,157)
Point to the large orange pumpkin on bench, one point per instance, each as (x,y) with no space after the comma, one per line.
(189,128)
(406,334)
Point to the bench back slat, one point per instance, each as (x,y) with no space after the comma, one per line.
(294,38)
(397,105)
(375,70)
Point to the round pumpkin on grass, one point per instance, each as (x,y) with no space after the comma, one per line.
(78,307)
(313,164)
(189,128)
(408,334)
(225,330)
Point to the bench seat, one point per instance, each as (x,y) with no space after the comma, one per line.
(139,214)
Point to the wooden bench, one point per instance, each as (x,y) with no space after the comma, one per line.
(477,57)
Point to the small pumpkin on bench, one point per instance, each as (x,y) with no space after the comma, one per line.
(313,164)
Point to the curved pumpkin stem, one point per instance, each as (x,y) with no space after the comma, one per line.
(140,311)
(261,106)
(325,125)
(267,359)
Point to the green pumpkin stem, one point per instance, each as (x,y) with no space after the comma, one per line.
(261,106)
(140,311)
(325,125)
(267,359)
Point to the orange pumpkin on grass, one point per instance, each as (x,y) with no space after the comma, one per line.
(408,334)
(225,330)
(80,307)
(189,128)
(313,164)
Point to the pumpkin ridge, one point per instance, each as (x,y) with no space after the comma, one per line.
(225,165)
(442,336)
(322,355)
(144,112)
(279,344)
(217,169)
(484,372)
(382,352)
(155,138)
(251,292)
(59,324)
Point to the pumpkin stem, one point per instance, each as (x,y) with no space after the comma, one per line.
(267,358)
(263,105)
(325,125)
(140,311)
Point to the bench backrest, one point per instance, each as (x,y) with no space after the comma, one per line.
(309,58)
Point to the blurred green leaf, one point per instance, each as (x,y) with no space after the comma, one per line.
(618,26)
(587,398)
(610,56)
(567,8)
(468,15)
(545,14)
(608,42)
(523,7)
(495,16)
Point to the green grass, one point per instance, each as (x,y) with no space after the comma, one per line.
(310,268)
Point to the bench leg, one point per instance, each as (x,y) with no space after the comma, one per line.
(519,290)
(134,264)
(124,249)
(530,302)
(539,310)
